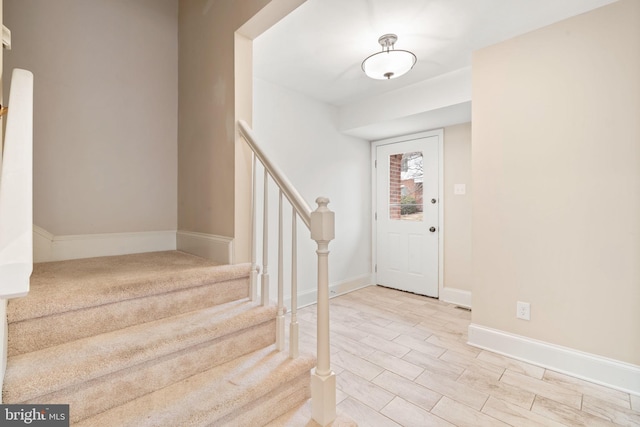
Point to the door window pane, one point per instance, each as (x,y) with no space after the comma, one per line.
(405,186)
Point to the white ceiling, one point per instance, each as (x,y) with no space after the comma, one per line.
(318,49)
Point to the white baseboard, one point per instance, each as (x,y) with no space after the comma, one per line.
(336,289)
(209,246)
(590,367)
(47,247)
(456,296)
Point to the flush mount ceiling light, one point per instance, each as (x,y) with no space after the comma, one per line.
(391,62)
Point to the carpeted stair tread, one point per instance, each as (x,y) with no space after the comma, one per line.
(270,406)
(101,394)
(203,399)
(154,339)
(62,286)
(41,372)
(36,334)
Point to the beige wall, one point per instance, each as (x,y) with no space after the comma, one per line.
(105,113)
(243,156)
(215,68)
(206,125)
(457,208)
(556,183)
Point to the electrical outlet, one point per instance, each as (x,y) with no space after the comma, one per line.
(523,310)
(459,189)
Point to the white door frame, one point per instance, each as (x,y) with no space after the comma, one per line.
(374,199)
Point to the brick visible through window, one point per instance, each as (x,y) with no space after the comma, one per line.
(405,186)
(395,184)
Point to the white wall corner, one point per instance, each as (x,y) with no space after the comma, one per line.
(42,243)
(209,246)
(456,296)
(47,247)
(269,15)
(336,289)
(590,367)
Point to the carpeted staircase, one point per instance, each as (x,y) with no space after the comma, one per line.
(156,339)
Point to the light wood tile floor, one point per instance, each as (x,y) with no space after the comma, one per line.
(402,360)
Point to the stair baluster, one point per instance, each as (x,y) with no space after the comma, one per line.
(265,242)
(321,224)
(294,350)
(253,277)
(281,310)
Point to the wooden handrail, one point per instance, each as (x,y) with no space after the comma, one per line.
(300,205)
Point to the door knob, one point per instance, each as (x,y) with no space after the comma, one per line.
(432,229)
(433,201)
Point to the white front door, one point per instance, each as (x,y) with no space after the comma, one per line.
(407,208)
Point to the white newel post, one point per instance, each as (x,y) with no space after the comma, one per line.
(323,380)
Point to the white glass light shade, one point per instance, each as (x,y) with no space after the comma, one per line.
(388,64)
